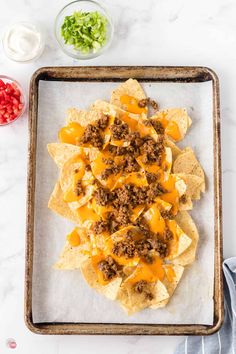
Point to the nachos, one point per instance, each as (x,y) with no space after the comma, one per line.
(127,187)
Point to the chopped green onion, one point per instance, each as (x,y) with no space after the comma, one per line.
(86,31)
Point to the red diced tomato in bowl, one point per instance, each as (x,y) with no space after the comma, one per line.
(12,102)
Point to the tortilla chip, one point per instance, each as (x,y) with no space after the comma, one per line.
(179,116)
(110,290)
(170,286)
(194,185)
(71,257)
(174,148)
(187,163)
(82,117)
(183,243)
(187,205)
(63,152)
(56,203)
(115,111)
(131,88)
(187,224)
(132,301)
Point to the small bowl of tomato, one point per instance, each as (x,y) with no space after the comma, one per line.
(12,100)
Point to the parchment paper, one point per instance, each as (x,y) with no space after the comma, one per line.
(63,296)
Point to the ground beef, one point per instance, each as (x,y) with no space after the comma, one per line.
(102,196)
(159,246)
(183,199)
(124,248)
(109,268)
(117,150)
(152,151)
(143,103)
(130,164)
(140,286)
(129,195)
(101,226)
(92,136)
(151,177)
(143,287)
(79,188)
(157,126)
(122,215)
(167,214)
(153,104)
(119,130)
(102,123)
(130,248)
(113,170)
(155,190)
(87,167)
(168,234)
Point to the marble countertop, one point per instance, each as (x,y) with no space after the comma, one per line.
(161,32)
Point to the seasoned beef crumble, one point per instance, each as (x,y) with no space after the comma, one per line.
(168,234)
(130,248)
(119,130)
(109,268)
(152,151)
(92,136)
(79,188)
(157,126)
(101,226)
(167,214)
(102,123)
(102,196)
(183,199)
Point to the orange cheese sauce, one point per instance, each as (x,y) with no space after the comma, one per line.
(95,260)
(70,195)
(71,134)
(170,273)
(149,272)
(73,238)
(172,130)
(98,165)
(85,213)
(172,196)
(154,219)
(131,104)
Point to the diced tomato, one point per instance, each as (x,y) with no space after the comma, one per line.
(10,102)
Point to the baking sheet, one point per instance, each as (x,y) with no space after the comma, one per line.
(63,296)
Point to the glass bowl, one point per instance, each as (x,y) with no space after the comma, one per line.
(85,6)
(21,40)
(6,105)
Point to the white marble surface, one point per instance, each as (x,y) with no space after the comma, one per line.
(161,32)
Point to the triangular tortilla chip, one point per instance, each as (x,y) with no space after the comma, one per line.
(82,117)
(183,243)
(188,226)
(110,290)
(62,152)
(174,148)
(176,117)
(57,204)
(131,88)
(132,301)
(170,285)
(187,162)
(115,111)
(194,185)
(72,257)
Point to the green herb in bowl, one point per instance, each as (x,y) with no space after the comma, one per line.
(85,31)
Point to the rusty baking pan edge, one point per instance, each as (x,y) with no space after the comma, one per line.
(116,73)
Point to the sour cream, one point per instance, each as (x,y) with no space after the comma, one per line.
(23,42)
